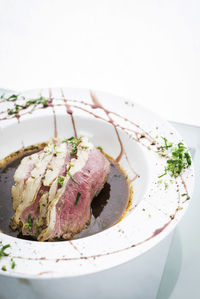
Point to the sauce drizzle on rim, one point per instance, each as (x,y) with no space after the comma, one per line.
(134,134)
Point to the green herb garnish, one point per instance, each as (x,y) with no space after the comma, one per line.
(74,147)
(36,102)
(16,109)
(2,250)
(71,177)
(100,148)
(11,98)
(166,146)
(188,158)
(11,111)
(179,159)
(3,268)
(54,145)
(128,103)
(28,224)
(33,102)
(69,165)
(160,176)
(74,142)
(185,194)
(60,180)
(166,185)
(12,264)
(77,198)
(71,139)
(3,253)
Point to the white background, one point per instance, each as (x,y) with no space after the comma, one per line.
(148,51)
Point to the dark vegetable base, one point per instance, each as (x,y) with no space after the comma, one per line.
(106,209)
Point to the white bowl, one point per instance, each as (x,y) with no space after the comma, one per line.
(156,207)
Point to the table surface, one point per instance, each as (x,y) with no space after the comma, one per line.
(182,271)
(148,50)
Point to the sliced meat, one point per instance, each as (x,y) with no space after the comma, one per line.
(22,174)
(55,187)
(24,194)
(69,212)
(37,210)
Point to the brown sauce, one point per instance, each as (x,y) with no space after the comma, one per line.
(106,209)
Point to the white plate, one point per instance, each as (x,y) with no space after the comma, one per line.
(156,208)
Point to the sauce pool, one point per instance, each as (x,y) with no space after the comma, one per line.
(106,209)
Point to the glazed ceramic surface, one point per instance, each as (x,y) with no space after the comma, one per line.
(130,134)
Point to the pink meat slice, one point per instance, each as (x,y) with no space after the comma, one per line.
(72,217)
(33,210)
(49,210)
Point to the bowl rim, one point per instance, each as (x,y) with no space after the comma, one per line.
(76,243)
